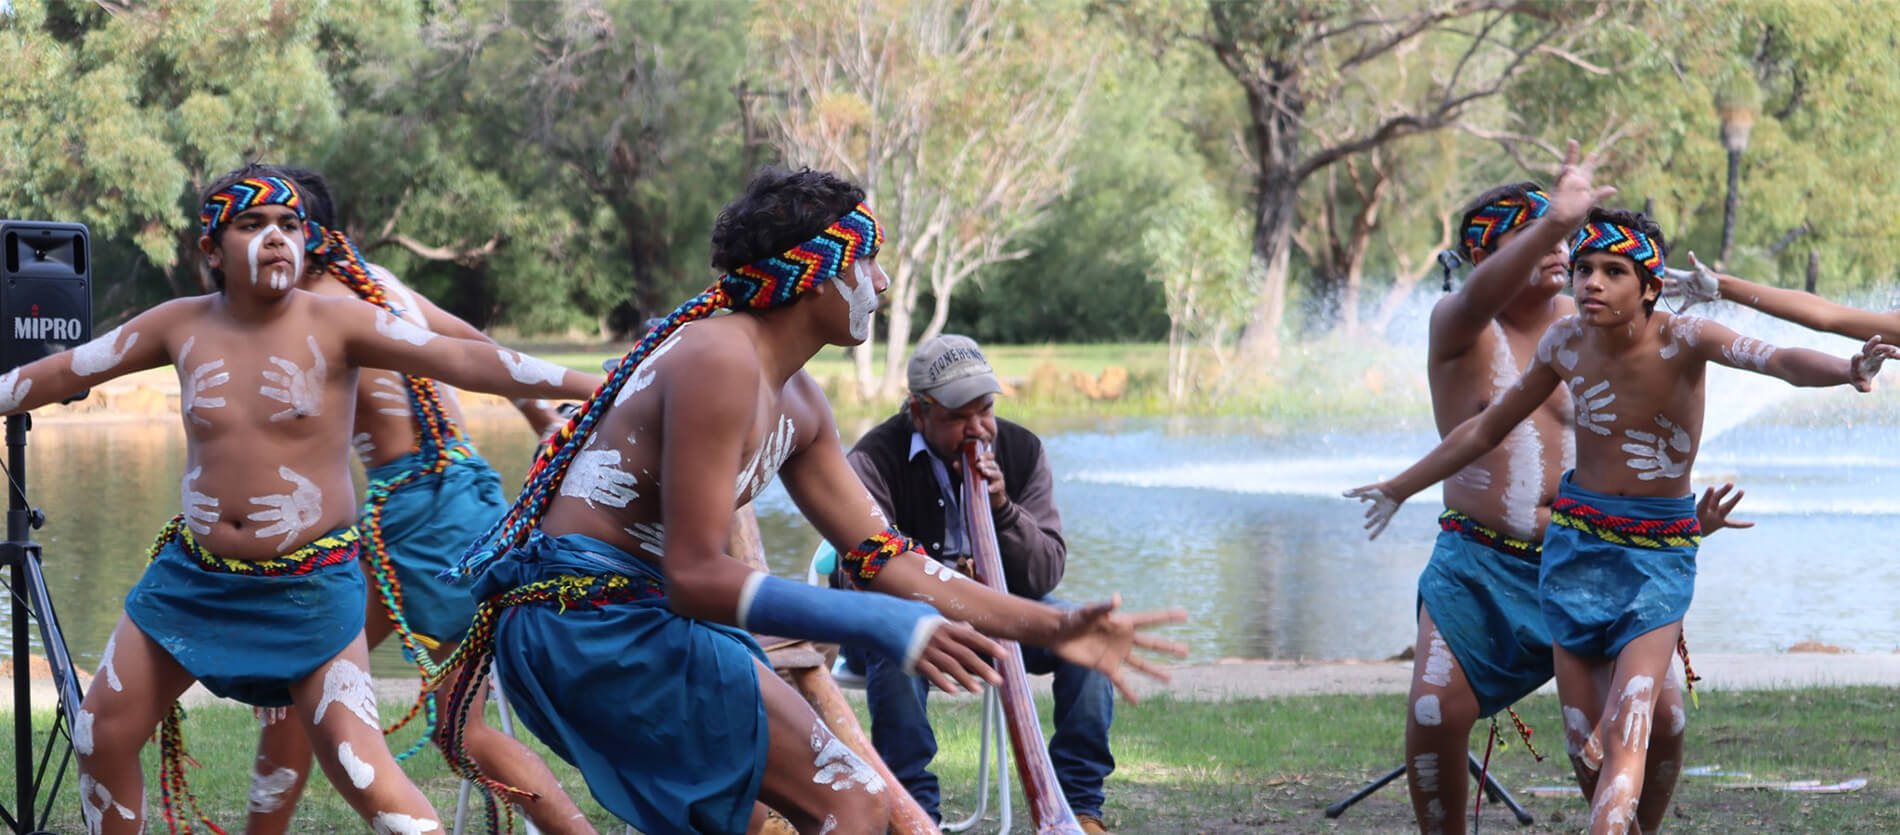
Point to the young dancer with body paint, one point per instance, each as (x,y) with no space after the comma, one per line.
(611,608)
(430,495)
(1482,644)
(1618,567)
(253,589)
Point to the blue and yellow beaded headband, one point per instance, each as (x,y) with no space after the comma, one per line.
(770,282)
(1491,222)
(1617,239)
(245,194)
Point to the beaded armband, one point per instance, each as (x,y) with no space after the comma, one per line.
(861,564)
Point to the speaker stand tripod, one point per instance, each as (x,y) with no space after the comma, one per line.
(1492,789)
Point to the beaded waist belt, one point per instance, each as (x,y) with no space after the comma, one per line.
(1455,522)
(326,550)
(564,590)
(1642,533)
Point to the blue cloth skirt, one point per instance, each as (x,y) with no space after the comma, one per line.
(1615,567)
(1482,595)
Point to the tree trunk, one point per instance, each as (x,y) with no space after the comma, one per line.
(1814,268)
(1730,207)
(1272,258)
(896,346)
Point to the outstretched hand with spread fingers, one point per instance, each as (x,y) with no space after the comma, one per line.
(1696,285)
(953,658)
(1866,364)
(1713,508)
(1100,638)
(1574,193)
(1383,508)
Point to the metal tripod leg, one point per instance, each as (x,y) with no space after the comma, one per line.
(1491,788)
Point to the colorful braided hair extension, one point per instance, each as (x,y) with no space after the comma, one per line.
(436,434)
(1490,223)
(245,194)
(768,283)
(1619,239)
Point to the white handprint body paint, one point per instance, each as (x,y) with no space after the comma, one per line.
(643,374)
(1615,806)
(268,788)
(773,449)
(192,386)
(1684,331)
(281,275)
(401,329)
(943,573)
(1638,707)
(299,388)
(1425,767)
(291,513)
(1523,450)
(396,823)
(1428,711)
(1590,404)
(1559,344)
(397,292)
(347,686)
(596,478)
(108,664)
(201,510)
(365,447)
(13,390)
(91,790)
(839,767)
(650,535)
(100,355)
(862,296)
(361,773)
(391,395)
(1748,352)
(1438,662)
(529,370)
(82,732)
(1660,454)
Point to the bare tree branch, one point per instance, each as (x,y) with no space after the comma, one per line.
(466,256)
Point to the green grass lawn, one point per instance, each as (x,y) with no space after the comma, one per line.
(1274,764)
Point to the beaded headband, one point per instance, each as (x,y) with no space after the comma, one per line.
(770,282)
(246,194)
(1617,239)
(1491,222)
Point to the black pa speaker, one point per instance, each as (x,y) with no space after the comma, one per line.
(45,289)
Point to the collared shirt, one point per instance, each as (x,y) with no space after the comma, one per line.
(956,534)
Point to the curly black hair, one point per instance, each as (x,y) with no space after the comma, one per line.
(780,209)
(244,172)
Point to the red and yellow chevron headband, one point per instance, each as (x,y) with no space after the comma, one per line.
(1621,240)
(236,198)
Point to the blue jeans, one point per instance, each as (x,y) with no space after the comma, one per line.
(1085,707)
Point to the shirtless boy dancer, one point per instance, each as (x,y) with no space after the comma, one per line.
(254,589)
(1618,565)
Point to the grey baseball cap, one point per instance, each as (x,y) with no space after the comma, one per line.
(951,370)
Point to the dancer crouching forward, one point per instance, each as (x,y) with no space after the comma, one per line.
(1481,642)
(254,588)
(1618,563)
(613,614)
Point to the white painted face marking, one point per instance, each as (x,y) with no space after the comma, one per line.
(596,478)
(644,374)
(299,388)
(361,773)
(107,664)
(1747,352)
(201,510)
(401,330)
(267,789)
(862,297)
(1659,455)
(82,732)
(529,370)
(651,536)
(391,393)
(1639,702)
(99,355)
(291,513)
(347,686)
(1438,663)
(396,823)
(1425,768)
(773,449)
(280,274)
(1590,404)
(364,447)
(838,767)
(13,390)
(1677,720)
(1427,711)
(193,384)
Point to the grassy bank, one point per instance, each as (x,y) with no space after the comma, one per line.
(1274,764)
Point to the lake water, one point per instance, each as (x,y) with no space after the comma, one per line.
(1243,528)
